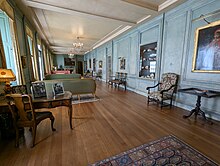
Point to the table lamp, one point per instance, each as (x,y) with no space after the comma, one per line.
(7,75)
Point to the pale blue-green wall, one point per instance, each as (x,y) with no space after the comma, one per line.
(59,60)
(174,33)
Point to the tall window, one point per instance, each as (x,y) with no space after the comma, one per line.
(33,57)
(41,62)
(9,44)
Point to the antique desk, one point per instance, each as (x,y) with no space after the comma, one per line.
(55,101)
(48,102)
(199,93)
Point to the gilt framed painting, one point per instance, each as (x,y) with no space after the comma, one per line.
(206,56)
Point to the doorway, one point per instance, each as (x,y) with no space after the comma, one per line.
(80,67)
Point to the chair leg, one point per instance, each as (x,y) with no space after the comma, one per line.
(52,122)
(148,98)
(171,102)
(34,135)
(17,137)
(161,104)
(93,95)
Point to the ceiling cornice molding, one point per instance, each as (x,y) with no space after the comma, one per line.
(50,7)
(142,4)
(39,27)
(43,23)
(166,4)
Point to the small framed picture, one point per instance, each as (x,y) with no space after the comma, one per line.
(58,88)
(38,89)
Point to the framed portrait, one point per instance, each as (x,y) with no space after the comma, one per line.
(206,56)
(38,89)
(122,64)
(58,88)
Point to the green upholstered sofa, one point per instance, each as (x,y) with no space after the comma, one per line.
(75,86)
(62,76)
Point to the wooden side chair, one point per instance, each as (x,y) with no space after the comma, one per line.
(166,89)
(23,114)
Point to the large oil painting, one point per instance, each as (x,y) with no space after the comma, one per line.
(207,48)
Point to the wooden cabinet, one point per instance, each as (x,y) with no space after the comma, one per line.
(148,60)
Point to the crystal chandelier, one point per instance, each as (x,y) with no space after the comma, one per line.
(77,46)
(71,54)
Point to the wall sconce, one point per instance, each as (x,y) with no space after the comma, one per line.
(7,75)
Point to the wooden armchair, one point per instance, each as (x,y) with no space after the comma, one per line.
(166,89)
(23,114)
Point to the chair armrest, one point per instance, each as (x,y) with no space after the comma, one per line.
(150,87)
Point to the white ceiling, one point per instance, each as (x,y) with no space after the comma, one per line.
(60,22)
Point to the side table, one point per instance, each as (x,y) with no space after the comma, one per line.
(199,93)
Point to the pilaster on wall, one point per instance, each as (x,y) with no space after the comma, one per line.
(174,31)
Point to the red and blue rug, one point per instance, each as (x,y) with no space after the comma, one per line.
(169,151)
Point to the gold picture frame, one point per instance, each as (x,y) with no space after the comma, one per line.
(206,56)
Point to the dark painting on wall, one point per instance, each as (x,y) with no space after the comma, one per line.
(122,64)
(69,62)
(207,48)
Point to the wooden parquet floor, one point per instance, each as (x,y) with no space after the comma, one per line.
(118,122)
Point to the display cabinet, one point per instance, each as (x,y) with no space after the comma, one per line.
(148,60)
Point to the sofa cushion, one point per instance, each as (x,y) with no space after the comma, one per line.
(62,76)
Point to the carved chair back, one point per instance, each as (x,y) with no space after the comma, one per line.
(21,108)
(168,80)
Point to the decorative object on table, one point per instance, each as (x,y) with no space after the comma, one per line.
(38,89)
(7,75)
(207,52)
(168,150)
(166,89)
(58,88)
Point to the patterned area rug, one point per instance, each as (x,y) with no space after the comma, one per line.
(84,99)
(168,151)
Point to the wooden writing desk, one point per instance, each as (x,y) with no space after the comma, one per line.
(199,93)
(48,102)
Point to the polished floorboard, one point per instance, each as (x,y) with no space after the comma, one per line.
(118,122)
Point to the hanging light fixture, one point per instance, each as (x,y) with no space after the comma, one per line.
(71,54)
(78,45)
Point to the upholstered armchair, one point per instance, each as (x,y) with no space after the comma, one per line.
(165,90)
